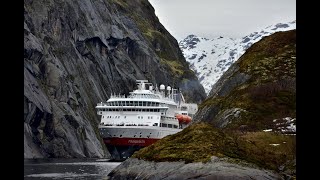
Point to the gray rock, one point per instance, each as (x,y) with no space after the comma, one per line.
(76,54)
(217,169)
(228,81)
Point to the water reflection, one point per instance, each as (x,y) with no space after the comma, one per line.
(68,168)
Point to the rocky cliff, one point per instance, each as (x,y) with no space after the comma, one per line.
(259,90)
(76,54)
(248,121)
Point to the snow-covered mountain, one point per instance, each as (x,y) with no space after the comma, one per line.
(210,58)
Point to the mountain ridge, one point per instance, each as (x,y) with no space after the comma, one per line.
(210,58)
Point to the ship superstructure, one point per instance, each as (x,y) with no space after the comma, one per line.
(142,118)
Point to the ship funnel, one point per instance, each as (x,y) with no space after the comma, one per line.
(162,87)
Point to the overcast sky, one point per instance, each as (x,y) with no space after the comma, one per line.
(210,18)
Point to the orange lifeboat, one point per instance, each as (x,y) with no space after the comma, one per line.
(183,118)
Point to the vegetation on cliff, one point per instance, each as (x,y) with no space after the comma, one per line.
(76,53)
(268,94)
(255,94)
(200,141)
(164,44)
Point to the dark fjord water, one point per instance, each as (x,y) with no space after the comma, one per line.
(68,168)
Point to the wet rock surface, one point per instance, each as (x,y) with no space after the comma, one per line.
(215,169)
(76,53)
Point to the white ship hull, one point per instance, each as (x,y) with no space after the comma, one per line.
(123,141)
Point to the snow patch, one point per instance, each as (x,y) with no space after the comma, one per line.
(218,49)
(267,130)
(274,144)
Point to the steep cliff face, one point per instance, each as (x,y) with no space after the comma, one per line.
(259,90)
(240,120)
(76,54)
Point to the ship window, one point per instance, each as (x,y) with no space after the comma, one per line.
(164,125)
(155,124)
(102,116)
(138,117)
(144,103)
(169,125)
(141,117)
(175,126)
(125,116)
(140,103)
(151,117)
(121,135)
(148,117)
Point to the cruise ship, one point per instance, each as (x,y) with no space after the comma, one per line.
(146,115)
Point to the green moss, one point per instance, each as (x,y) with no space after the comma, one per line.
(271,58)
(199,142)
(270,92)
(193,144)
(174,66)
(121,3)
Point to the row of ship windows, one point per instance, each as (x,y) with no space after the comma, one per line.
(132,103)
(150,96)
(122,124)
(168,125)
(118,117)
(155,124)
(140,110)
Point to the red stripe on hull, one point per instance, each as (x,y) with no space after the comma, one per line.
(129,141)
